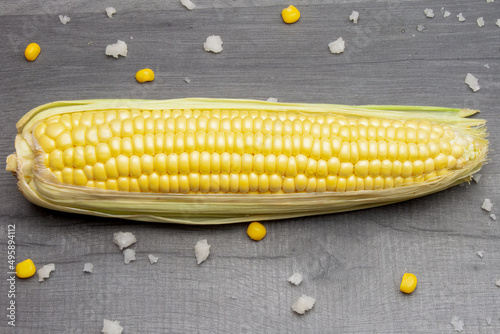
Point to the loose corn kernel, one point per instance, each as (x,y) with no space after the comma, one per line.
(144,75)
(32,51)
(256,231)
(408,283)
(290,14)
(25,269)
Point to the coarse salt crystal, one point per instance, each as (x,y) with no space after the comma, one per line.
(476,177)
(213,44)
(458,324)
(480,254)
(493,216)
(188,4)
(446,14)
(124,239)
(354,16)
(497,283)
(480,22)
(272,99)
(337,46)
(472,82)
(303,304)
(129,255)
(45,271)
(498,22)
(117,49)
(64,19)
(110,11)
(488,1)
(461,18)
(429,12)
(187,79)
(201,250)
(88,267)
(111,327)
(152,259)
(420,28)
(295,279)
(487,205)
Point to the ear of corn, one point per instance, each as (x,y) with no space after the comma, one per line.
(211,161)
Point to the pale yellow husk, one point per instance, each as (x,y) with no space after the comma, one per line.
(41,188)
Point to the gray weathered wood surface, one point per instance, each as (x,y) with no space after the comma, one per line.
(352,262)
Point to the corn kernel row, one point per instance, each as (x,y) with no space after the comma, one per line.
(96,118)
(238,183)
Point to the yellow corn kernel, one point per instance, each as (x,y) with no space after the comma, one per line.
(32,51)
(408,283)
(25,269)
(256,231)
(144,75)
(290,14)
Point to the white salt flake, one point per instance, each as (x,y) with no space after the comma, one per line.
(213,44)
(472,82)
(480,254)
(201,250)
(497,283)
(457,324)
(187,79)
(129,255)
(110,11)
(88,267)
(446,14)
(272,99)
(493,216)
(461,18)
(477,177)
(480,22)
(295,279)
(153,259)
(117,49)
(420,28)
(111,327)
(487,65)
(498,22)
(487,205)
(488,1)
(429,12)
(64,19)
(45,271)
(188,4)
(124,239)
(337,46)
(303,304)
(488,320)
(354,16)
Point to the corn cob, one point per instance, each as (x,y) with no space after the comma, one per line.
(212,161)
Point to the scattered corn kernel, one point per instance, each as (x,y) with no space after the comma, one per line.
(290,14)
(146,74)
(32,51)
(256,231)
(25,269)
(408,283)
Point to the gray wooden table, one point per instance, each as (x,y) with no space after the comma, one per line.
(352,263)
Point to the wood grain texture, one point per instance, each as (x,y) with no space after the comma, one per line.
(352,262)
